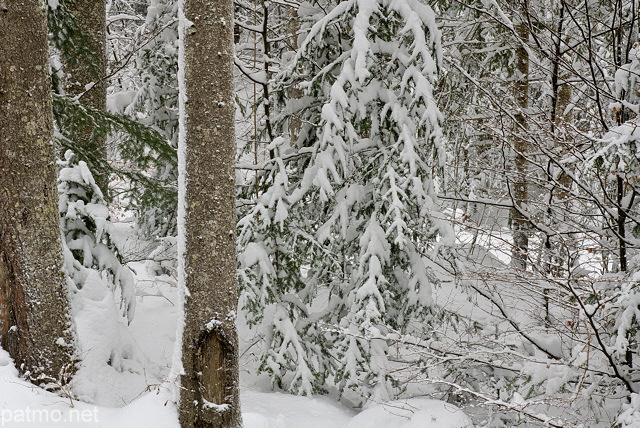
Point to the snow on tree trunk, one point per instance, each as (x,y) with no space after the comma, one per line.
(209,395)
(34,309)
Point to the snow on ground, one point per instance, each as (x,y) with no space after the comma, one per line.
(277,410)
(149,403)
(412,413)
(24,406)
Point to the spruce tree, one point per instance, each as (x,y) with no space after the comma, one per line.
(154,102)
(339,238)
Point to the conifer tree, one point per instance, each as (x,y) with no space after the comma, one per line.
(154,102)
(141,125)
(87,230)
(84,67)
(348,210)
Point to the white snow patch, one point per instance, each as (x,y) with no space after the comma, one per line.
(277,410)
(412,413)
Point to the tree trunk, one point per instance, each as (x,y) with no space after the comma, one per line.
(558,250)
(520,192)
(35,325)
(86,79)
(209,393)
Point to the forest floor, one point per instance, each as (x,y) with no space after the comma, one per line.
(138,397)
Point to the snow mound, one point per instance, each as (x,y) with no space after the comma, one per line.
(7,369)
(113,369)
(412,413)
(277,410)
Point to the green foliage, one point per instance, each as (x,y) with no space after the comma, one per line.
(141,147)
(155,104)
(143,157)
(76,47)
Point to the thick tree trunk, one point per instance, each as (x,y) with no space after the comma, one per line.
(209,391)
(86,79)
(520,188)
(35,326)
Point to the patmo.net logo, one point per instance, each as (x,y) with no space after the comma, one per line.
(46,417)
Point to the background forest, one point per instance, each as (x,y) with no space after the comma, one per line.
(435,198)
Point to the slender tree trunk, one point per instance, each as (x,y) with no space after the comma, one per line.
(520,192)
(559,249)
(35,325)
(562,118)
(622,116)
(86,79)
(209,393)
(562,92)
(558,257)
(293,26)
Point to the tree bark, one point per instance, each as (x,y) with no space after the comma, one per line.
(86,79)
(558,258)
(35,325)
(209,387)
(520,190)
